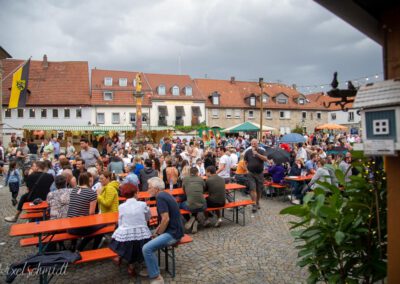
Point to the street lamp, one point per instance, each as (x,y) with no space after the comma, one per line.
(261,84)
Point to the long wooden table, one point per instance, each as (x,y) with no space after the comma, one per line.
(299,178)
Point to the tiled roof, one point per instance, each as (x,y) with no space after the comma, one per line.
(321,98)
(61,83)
(122,96)
(169,81)
(233,95)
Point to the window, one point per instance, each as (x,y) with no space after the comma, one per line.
(215,113)
(161,90)
(252,101)
(228,113)
(351,116)
(380,126)
(108,96)
(284,114)
(333,116)
(20,113)
(268,114)
(78,113)
(32,113)
(55,113)
(123,82)
(43,113)
(115,118)
(175,91)
(238,113)
(215,100)
(319,115)
(284,130)
(108,81)
(281,100)
(100,118)
(8,113)
(251,114)
(301,101)
(132,117)
(145,117)
(67,113)
(304,115)
(265,98)
(188,91)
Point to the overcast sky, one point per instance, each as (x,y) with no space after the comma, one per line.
(295,42)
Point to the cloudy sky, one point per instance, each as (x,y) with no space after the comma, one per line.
(289,41)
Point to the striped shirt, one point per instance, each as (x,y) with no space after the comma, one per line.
(79,203)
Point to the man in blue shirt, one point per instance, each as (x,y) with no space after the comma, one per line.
(56,146)
(168,232)
(311,164)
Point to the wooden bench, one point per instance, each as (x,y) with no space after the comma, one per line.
(105,253)
(169,254)
(63,237)
(236,205)
(32,215)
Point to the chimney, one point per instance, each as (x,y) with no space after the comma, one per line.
(233,80)
(45,64)
(294,87)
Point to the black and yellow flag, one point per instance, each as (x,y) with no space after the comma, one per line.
(19,86)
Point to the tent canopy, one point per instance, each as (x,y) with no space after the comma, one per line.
(247,127)
(331,126)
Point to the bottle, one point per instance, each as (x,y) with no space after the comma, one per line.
(171,185)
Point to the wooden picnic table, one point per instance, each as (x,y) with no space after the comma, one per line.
(29,206)
(299,178)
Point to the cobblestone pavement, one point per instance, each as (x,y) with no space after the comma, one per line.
(261,252)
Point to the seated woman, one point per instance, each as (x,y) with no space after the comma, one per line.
(132,232)
(277,173)
(58,200)
(83,202)
(108,194)
(295,170)
(241,172)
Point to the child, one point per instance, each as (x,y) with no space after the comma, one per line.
(13,180)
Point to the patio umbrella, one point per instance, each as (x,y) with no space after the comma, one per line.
(331,126)
(246,127)
(293,138)
(278,155)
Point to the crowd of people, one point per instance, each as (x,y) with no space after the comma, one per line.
(89,181)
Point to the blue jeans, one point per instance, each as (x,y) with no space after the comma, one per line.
(149,254)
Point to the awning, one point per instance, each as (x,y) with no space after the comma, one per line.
(162,111)
(247,127)
(179,111)
(196,111)
(92,128)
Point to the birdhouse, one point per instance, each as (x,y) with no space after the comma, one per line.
(379,105)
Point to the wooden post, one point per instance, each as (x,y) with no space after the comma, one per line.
(391,57)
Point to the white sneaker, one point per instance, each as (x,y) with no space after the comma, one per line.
(218,223)
(296,201)
(157,281)
(11,219)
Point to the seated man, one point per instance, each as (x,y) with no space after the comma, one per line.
(167,233)
(215,186)
(193,186)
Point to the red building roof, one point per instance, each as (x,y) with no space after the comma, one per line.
(60,83)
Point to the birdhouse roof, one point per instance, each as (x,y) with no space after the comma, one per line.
(386,93)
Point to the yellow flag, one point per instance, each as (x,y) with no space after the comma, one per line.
(19,87)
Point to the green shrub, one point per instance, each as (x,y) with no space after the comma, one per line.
(341,234)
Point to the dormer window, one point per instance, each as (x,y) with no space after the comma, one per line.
(301,101)
(108,96)
(161,90)
(215,98)
(108,81)
(265,98)
(123,82)
(188,91)
(281,99)
(252,101)
(175,90)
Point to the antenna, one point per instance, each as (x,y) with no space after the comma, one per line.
(179,65)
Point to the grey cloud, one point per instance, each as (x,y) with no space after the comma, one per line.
(293,41)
